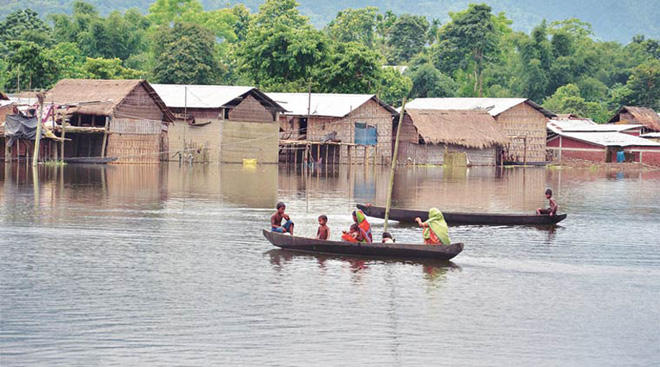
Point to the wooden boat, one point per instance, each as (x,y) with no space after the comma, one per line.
(389,250)
(455,218)
(90,160)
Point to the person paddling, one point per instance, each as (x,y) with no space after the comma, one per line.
(361,220)
(435,231)
(276,220)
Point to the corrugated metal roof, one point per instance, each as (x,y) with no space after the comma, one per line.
(199,96)
(610,139)
(322,104)
(494,106)
(651,135)
(584,125)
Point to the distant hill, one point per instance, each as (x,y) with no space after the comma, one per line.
(616,20)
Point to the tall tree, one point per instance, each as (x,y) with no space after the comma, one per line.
(406,37)
(184,55)
(282,50)
(351,68)
(470,39)
(355,25)
(427,81)
(644,85)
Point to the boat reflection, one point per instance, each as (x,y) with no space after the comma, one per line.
(432,268)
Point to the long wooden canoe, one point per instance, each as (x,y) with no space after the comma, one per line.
(455,218)
(389,250)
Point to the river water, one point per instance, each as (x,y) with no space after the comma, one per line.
(147,265)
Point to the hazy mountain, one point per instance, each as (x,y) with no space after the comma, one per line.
(611,19)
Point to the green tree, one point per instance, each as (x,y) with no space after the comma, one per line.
(644,85)
(469,41)
(29,65)
(427,81)
(99,68)
(68,59)
(406,37)
(393,86)
(351,68)
(184,55)
(25,25)
(282,50)
(567,99)
(354,25)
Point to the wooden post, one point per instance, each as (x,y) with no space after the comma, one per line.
(327,147)
(105,136)
(35,156)
(366,155)
(62,142)
(348,154)
(394,158)
(525,151)
(7,151)
(318,152)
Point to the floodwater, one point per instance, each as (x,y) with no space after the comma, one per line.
(147,265)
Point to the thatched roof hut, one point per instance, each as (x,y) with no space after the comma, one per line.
(637,115)
(102,97)
(468,128)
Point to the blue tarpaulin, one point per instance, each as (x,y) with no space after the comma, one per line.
(365,134)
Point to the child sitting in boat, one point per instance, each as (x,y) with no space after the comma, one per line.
(276,220)
(353,235)
(435,231)
(387,238)
(323,233)
(552,210)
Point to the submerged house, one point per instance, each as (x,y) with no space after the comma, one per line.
(340,128)
(455,137)
(637,115)
(586,140)
(521,119)
(125,119)
(217,123)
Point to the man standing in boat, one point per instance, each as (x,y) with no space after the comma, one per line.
(276,220)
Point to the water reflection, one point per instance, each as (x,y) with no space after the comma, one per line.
(155,265)
(431,269)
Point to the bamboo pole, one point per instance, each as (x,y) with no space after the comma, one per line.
(35,156)
(394,159)
(105,136)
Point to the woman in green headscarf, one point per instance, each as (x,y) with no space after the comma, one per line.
(436,231)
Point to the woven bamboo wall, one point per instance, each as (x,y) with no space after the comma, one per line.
(251,110)
(411,153)
(370,113)
(249,140)
(135,141)
(203,142)
(138,104)
(520,121)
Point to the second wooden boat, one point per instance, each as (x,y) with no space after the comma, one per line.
(389,250)
(456,218)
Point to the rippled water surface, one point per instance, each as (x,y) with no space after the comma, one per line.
(144,265)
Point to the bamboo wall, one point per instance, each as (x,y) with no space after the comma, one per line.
(411,153)
(372,114)
(524,121)
(249,140)
(201,143)
(139,104)
(135,141)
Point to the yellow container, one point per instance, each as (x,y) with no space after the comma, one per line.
(250,162)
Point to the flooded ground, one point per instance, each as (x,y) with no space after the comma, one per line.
(143,265)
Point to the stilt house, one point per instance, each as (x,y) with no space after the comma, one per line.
(453,137)
(638,115)
(522,120)
(341,128)
(125,119)
(218,123)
